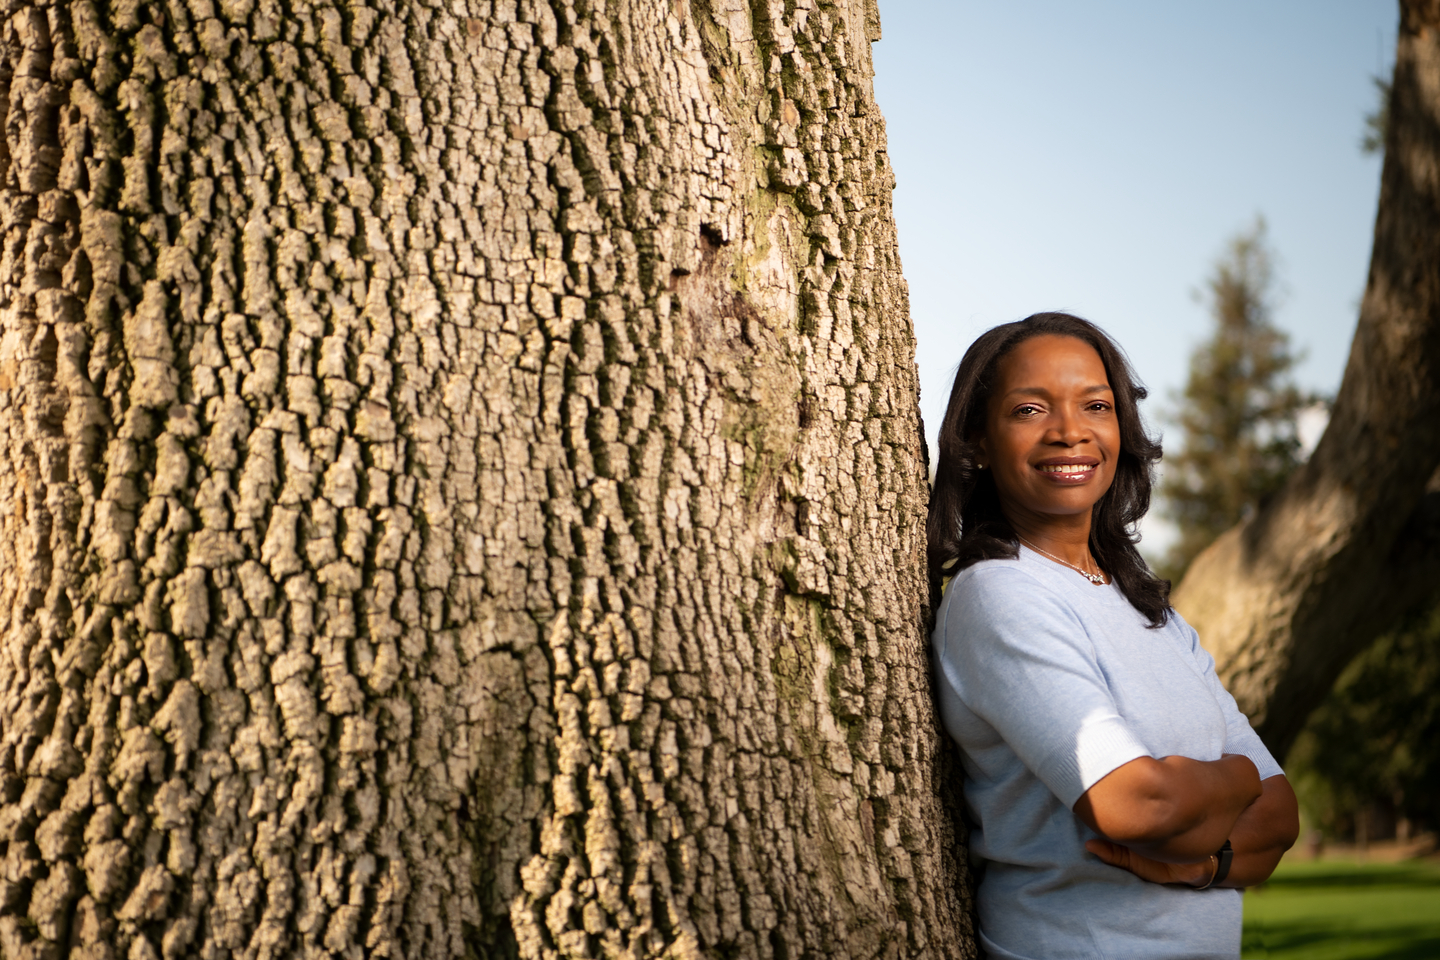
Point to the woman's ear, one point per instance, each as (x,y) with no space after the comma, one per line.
(982,454)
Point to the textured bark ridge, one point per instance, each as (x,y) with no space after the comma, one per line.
(1352,544)
(462,487)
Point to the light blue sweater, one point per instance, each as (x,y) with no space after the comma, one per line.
(1048,683)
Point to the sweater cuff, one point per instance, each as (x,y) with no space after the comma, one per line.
(1253,748)
(1100,746)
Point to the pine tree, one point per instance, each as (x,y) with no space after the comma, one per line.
(1237,414)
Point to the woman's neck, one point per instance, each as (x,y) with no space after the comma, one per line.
(1067,538)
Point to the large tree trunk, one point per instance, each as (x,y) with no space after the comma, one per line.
(1352,544)
(462,487)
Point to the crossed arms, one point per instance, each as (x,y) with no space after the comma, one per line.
(1161,819)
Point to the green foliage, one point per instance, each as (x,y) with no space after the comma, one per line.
(1377,122)
(1237,414)
(1375,741)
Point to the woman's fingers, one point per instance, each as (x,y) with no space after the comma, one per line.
(1127,859)
(1111,853)
(1155,871)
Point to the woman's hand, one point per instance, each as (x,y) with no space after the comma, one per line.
(1156,871)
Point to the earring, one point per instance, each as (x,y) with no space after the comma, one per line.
(979,466)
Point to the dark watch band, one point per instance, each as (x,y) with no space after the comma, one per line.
(1225,854)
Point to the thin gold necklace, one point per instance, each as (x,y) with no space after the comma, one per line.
(1096,578)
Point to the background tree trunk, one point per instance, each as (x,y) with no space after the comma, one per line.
(463,490)
(1352,543)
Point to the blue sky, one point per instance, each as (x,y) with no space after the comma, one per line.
(1096,156)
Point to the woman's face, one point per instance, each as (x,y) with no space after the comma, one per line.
(1051,435)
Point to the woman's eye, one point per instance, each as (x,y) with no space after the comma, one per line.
(1100,405)
(1027,410)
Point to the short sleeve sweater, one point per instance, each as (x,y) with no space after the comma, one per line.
(1048,683)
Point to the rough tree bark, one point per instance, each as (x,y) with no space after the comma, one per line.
(461,487)
(1352,543)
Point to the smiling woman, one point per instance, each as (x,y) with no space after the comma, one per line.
(968,522)
(1051,441)
(1109,775)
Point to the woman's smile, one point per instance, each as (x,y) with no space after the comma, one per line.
(1069,471)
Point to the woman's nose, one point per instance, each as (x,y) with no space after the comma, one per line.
(1066,429)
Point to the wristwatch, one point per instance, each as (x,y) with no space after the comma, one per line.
(1225,854)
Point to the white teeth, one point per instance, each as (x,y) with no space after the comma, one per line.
(1065,468)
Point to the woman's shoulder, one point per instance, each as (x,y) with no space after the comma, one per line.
(997,605)
(1002,584)
(1000,575)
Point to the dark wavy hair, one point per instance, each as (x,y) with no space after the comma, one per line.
(966,524)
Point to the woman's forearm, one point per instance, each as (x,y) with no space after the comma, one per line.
(1202,803)
(1175,810)
(1266,829)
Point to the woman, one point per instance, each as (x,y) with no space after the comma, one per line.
(1118,796)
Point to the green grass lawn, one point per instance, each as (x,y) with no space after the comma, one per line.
(1337,910)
